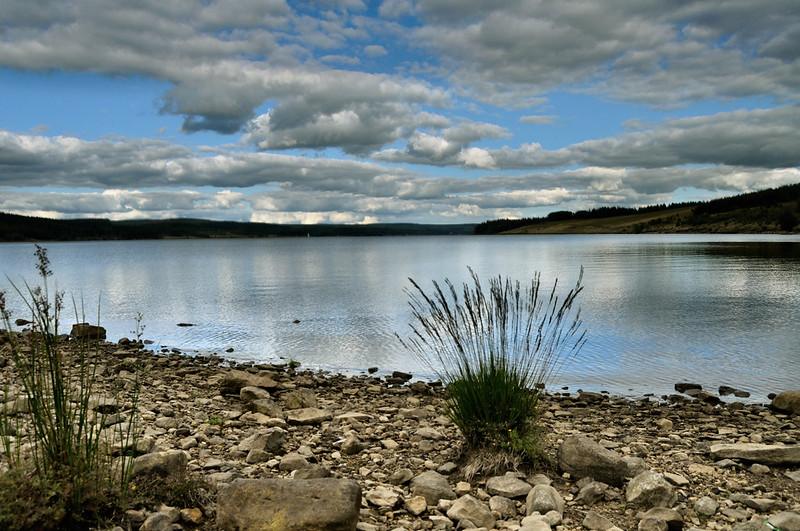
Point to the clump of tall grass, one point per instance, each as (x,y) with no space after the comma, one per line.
(60,474)
(494,349)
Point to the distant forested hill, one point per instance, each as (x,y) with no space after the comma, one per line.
(24,228)
(771,210)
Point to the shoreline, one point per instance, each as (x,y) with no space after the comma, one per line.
(369,431)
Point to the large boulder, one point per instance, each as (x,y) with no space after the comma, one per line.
(767,454)
(169,463)
(649,489)
(788,401)
(433,487)
(582,457)
(289,505)
(472,510)
(88,332)
(233,381)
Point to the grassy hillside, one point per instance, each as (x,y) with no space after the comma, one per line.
(773,210)
(23,228)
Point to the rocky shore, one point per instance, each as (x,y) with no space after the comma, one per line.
(286,448)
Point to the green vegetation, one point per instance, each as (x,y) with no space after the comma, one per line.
(494,349)
(24,228)
(59,476)
(771,210)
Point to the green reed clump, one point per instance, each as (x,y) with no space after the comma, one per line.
(60,475)
(494,348)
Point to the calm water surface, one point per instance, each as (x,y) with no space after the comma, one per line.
(659,308)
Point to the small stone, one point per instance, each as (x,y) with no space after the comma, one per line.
(542,499)
(469,508)
(591,493)
(292,461)
(503,506)
(432,486)
(649,489)
(706,506)
(676,479)
(594,521)
(508,485)
(401,477)
(307,416)
(192,515)
(383,497)
(757,468)
(664,425)
(416,505)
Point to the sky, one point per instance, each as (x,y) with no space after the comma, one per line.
(356,111)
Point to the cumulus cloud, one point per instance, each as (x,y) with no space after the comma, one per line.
(222,62)
(654,52)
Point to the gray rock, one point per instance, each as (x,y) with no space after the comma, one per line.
(383,497)
(299,399)
(787,401)
(542,499)
(766,454)
(292,461)
(308,416)
(312,472)
(594,521)
(271,440)
(649,489)
(583,457)
(433,487)
(503,506)
(289,505)
(469,508)
(233,381)
(706,506)
(508,486)
(249,394)
(266,406)
(670,517)
(169,463)
(352,445)
(157,522)
(652,524)
(591,493)
(402,476)
(536,525)
(794,475)
(786,521)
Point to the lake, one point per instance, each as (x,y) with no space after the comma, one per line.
(712,309)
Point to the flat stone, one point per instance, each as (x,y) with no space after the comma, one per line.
(289,505)
(383,497)
(169,463)
(767,454)
(307,416)
(432,486)
(676,479)
(509,486)
(233,381)
(594,521)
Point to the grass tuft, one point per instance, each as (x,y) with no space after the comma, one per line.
(495,348)
(56,468)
